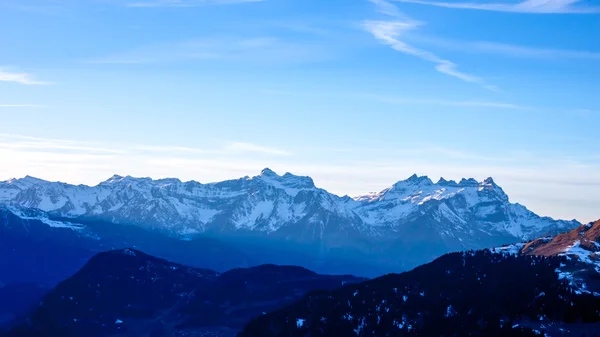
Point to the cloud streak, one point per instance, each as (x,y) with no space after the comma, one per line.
(259,50)
(20,78)
(391,32)
(408,100)
(467,104)
(528,6)
(522,51)
(504,49)
(14,141)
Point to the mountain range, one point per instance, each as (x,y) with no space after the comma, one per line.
(549,286)
(412,222)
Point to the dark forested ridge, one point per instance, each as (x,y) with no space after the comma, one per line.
(129,293)
(477,293)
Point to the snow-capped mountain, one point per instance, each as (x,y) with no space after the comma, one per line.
(415,216)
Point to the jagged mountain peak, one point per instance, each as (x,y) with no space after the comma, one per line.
(268,172)
(444,182)
(25,182)
(288,205)
(288,180)
(402,187)
(418,188)
(464,182)
(489,180)
(118,179)
(115,178)
(415,179)
(29,178)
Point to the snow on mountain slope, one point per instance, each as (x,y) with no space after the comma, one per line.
(462,204)
(581,247)
(462,212)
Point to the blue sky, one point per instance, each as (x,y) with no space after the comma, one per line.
(356,93)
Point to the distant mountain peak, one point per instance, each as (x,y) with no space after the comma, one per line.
(113,179)
(468,182)
(25,182)
(447,183)
(268,172)
(288,180)
(118,179)
(32,180)
(419,179)
(489,180)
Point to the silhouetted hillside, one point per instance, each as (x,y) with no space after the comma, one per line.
(129,293)
(478,293)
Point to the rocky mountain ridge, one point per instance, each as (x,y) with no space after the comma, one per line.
(270,203)
(286,219)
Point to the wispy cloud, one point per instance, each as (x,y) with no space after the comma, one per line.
(522,51)
(404,100)
(19,77)
(473,104)
(224,149)
(528,6)
(25,137)
(384,7)
(186,3)
(391,33)
(229,148)
(261,50)
(22,106)
(505,49)
(28,143)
